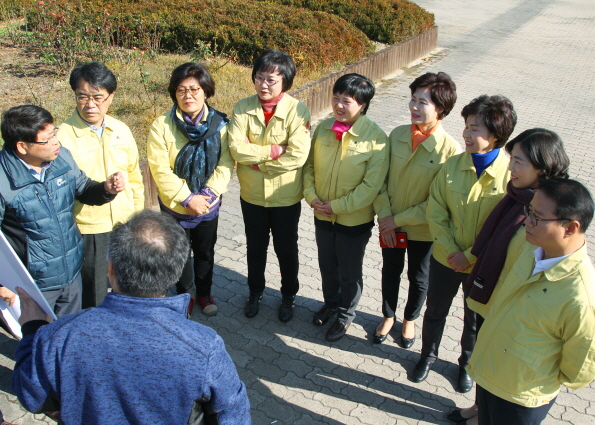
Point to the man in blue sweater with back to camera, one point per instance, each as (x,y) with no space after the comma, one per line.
(135,358)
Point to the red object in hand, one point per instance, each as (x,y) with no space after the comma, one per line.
(401,241)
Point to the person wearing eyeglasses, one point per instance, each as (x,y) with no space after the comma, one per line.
(39,183)
(539,333)
(464,192)
(536,155)
(269,137)
(190,161)
(101,145)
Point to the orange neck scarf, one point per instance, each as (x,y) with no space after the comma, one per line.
(418,136)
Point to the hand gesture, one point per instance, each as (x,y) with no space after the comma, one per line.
(115,183)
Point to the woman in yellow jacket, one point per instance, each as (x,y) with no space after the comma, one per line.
(190,162)
(463,194)
(344,173)
(269,137)
(417,152)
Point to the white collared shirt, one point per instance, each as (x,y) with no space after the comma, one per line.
(97,130)
(34,173)
(541,265)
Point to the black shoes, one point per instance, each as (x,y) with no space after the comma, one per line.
(405,342)
(251,308)
(336,331)
(286,308)
(465,383)
(379,338)
(455,416)
(323,315)
(422,369)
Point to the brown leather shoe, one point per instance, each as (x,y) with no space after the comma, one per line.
(337,331)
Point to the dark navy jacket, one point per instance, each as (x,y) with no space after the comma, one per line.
(37,217)
(131,360)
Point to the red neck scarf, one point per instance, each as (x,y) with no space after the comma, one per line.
(418,136)
(340,128)
(269,106)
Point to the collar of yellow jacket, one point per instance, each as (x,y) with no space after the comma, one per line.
(430,143)
(355,130)
(181,117)
(81,128)
(281,111)
(565,267)
(497,167)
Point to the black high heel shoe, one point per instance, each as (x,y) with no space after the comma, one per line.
(379,338)
(405,342)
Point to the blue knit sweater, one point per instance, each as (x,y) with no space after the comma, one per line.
(130,360)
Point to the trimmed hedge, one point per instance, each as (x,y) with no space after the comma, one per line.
(243,28)
(386,21)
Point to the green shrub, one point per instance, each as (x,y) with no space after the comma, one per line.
(238,28)
(386,21)
(11,9)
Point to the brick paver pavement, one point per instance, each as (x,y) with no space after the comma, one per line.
(540,54)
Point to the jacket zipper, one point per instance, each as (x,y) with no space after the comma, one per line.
(52,209)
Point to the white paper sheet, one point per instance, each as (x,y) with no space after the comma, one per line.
(14,274)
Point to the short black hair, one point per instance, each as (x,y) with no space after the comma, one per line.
(22,123)
(443,90)
(148,254)
(572,199)
(545,150)
(96,74)
(496,113)
(357,86)
(191,70)
(273,60)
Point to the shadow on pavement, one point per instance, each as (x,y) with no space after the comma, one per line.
(293,358)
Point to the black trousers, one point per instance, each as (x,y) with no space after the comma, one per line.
(94,271)
(443,287)
(341,259)
(393,263)
(282,223)
(198,270)
(494,410)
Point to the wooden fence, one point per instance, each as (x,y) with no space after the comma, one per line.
(317,95)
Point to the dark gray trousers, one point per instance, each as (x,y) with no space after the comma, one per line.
(340,258)
(94,271)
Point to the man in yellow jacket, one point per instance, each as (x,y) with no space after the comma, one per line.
(101,146)
(540,330)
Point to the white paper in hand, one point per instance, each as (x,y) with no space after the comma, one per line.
(15,274)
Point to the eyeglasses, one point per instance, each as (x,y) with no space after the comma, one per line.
(268,81)
(181,91)
(97,100)
(534,220)
(49,139)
